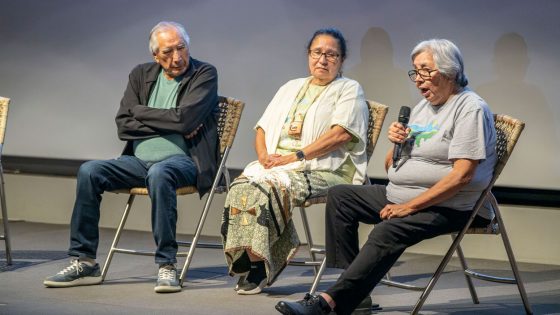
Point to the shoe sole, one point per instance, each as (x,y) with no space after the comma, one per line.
(256,290)
(73,283)
(167,289)
(240,281)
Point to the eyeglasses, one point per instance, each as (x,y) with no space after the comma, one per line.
(423,73)
(331,56)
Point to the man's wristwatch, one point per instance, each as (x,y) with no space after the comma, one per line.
(300,155)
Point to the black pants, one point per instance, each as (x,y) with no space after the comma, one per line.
(348,205)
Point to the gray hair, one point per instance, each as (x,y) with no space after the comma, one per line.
(165,25)
(447,58)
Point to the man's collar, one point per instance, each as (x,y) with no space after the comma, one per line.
(190,70)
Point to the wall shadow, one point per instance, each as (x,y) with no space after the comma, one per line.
(381,80)
(509,93)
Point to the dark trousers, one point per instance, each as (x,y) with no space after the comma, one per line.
(348,205)
(161,178)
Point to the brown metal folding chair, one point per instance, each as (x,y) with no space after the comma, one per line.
(228,121)
(4,104)
(508,130)
(377,113)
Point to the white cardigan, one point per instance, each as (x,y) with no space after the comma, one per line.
(342,103)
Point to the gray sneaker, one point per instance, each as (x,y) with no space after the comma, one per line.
(78,273)
(255,281)
(250,288)
(241,281)
(167,281)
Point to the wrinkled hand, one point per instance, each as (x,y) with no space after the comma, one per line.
(265,159)
(397,132)
(395,211)
(193,133)
(278,160)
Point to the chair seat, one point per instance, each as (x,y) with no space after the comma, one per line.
(313,200)
(492,228)
(143,191)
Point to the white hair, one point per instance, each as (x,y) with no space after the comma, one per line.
(161,27)
(447,58)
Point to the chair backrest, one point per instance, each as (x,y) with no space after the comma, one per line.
(228,120)
(377,113)
(508,130)
(4,103)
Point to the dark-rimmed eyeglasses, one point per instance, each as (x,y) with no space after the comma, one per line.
(331,56)
(424,73)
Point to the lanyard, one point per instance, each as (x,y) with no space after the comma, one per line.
(298,102)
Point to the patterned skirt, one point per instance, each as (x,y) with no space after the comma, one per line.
(258,217)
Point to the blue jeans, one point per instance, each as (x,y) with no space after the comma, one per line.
(161,178)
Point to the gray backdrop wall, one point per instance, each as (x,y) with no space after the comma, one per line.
(65,64)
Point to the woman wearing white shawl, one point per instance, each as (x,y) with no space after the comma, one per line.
(312,136)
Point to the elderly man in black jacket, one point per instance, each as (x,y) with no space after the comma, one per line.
(168,118)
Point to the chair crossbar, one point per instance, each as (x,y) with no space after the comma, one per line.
(200,245)
(485,277)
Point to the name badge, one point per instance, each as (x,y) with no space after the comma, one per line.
(296,126)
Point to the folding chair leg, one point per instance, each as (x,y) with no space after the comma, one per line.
(117,237)
(472,290)
(318,276)
(221,170)
(228,179)
(310,244)
(197,234)
(439,271)
(513,263)
(6,236)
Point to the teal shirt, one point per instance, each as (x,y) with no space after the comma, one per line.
(164,96)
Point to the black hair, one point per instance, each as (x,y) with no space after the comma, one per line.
(336,34)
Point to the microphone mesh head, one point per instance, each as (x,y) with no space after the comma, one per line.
(404,115)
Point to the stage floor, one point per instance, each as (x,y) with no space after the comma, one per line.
(39,251)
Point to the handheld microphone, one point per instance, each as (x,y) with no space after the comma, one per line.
(404,116)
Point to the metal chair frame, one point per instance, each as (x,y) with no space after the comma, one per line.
(377,114)
(229,118)
(4,105)
(508,130)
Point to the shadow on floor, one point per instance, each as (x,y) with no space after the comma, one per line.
(26,258)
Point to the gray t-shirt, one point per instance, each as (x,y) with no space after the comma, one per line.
(462,128)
